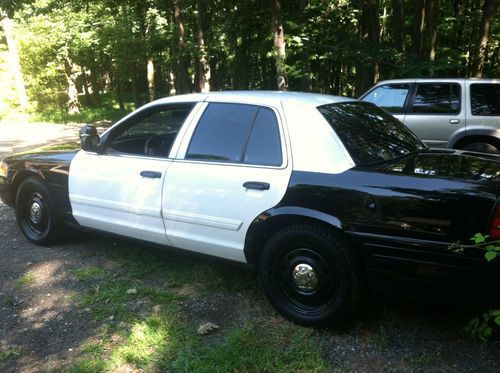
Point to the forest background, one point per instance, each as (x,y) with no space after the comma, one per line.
(77,60)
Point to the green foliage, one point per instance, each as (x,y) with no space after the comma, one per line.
(11,353)
(483,326)
(104,47)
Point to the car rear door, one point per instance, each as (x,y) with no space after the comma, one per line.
(232,165)
(119,190)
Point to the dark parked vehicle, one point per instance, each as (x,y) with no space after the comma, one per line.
(321,194)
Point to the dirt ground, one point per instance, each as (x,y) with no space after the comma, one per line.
(42,321)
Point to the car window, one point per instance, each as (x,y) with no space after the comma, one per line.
(437,98)
(236,133)
(369,133)
(149,133)
(264,146)
(391,97)
(485,99)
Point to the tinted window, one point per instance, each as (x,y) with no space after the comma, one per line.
(390,97)
(237,133)
(150,132)
(222,132)
(264,145)
(485,99)
(437,98)
(369,133)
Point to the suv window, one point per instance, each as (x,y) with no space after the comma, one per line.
(437,98)
(485,99)
(391,97)
(151,132)
(369,133)
(237,133)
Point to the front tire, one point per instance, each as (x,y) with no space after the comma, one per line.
(310,275)
(35,213)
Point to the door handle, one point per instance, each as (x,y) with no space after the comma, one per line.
(257,185)
(454,121)
(151,174)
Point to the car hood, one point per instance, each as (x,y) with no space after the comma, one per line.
(448,164)
(53,153)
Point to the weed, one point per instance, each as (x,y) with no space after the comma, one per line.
(25,280)
(11,353)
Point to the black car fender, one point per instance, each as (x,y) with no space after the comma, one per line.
(271,221)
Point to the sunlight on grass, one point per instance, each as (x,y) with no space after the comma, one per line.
(89,273)
(25,280)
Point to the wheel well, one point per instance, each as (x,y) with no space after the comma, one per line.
(258,237)
(477,138)
(19,178)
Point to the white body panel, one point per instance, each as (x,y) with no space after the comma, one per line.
(108,193)
(207,209)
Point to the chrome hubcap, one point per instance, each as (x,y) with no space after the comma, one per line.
(36,213)
(305,278)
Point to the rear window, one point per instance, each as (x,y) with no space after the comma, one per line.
(485,99)
(369,133)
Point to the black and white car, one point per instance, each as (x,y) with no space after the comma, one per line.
(322,194)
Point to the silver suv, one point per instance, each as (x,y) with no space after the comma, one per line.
(452,113)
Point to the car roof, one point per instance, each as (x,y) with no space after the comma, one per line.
(258,97)
(444,80)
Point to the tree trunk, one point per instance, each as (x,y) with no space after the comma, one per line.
(483,39)
(432,21)
(14,60)
(418,28)
(151,78)
(203,66)
(72,92)
(370,29)
(181,73)
(398,24)
(279,45)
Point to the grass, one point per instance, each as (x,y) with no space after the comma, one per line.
(151,328)
(11,353)
(25,280)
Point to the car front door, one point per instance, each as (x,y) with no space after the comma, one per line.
(436,112)
(118,190)
(392,97)
(232,166)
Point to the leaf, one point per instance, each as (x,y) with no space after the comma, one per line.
(207,328)
(490,255)
(497,320)
(479,238)
(132,291)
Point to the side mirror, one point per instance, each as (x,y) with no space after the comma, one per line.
(89,139)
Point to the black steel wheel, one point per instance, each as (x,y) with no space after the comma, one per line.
(310,276)
(35,212)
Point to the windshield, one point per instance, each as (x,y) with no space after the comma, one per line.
(369,133)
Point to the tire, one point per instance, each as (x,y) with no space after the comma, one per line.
(36,214)
(310,275)
(482,147)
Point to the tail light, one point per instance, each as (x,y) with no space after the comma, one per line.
(495,223)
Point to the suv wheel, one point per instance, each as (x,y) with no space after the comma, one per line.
(482,147)
(309,275)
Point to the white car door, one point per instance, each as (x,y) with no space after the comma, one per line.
(119,190)
(232,166)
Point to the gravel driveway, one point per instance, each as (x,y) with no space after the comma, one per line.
(41,328)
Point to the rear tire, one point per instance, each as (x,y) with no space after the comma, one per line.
(36,214)
(482,147)
(310,275)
